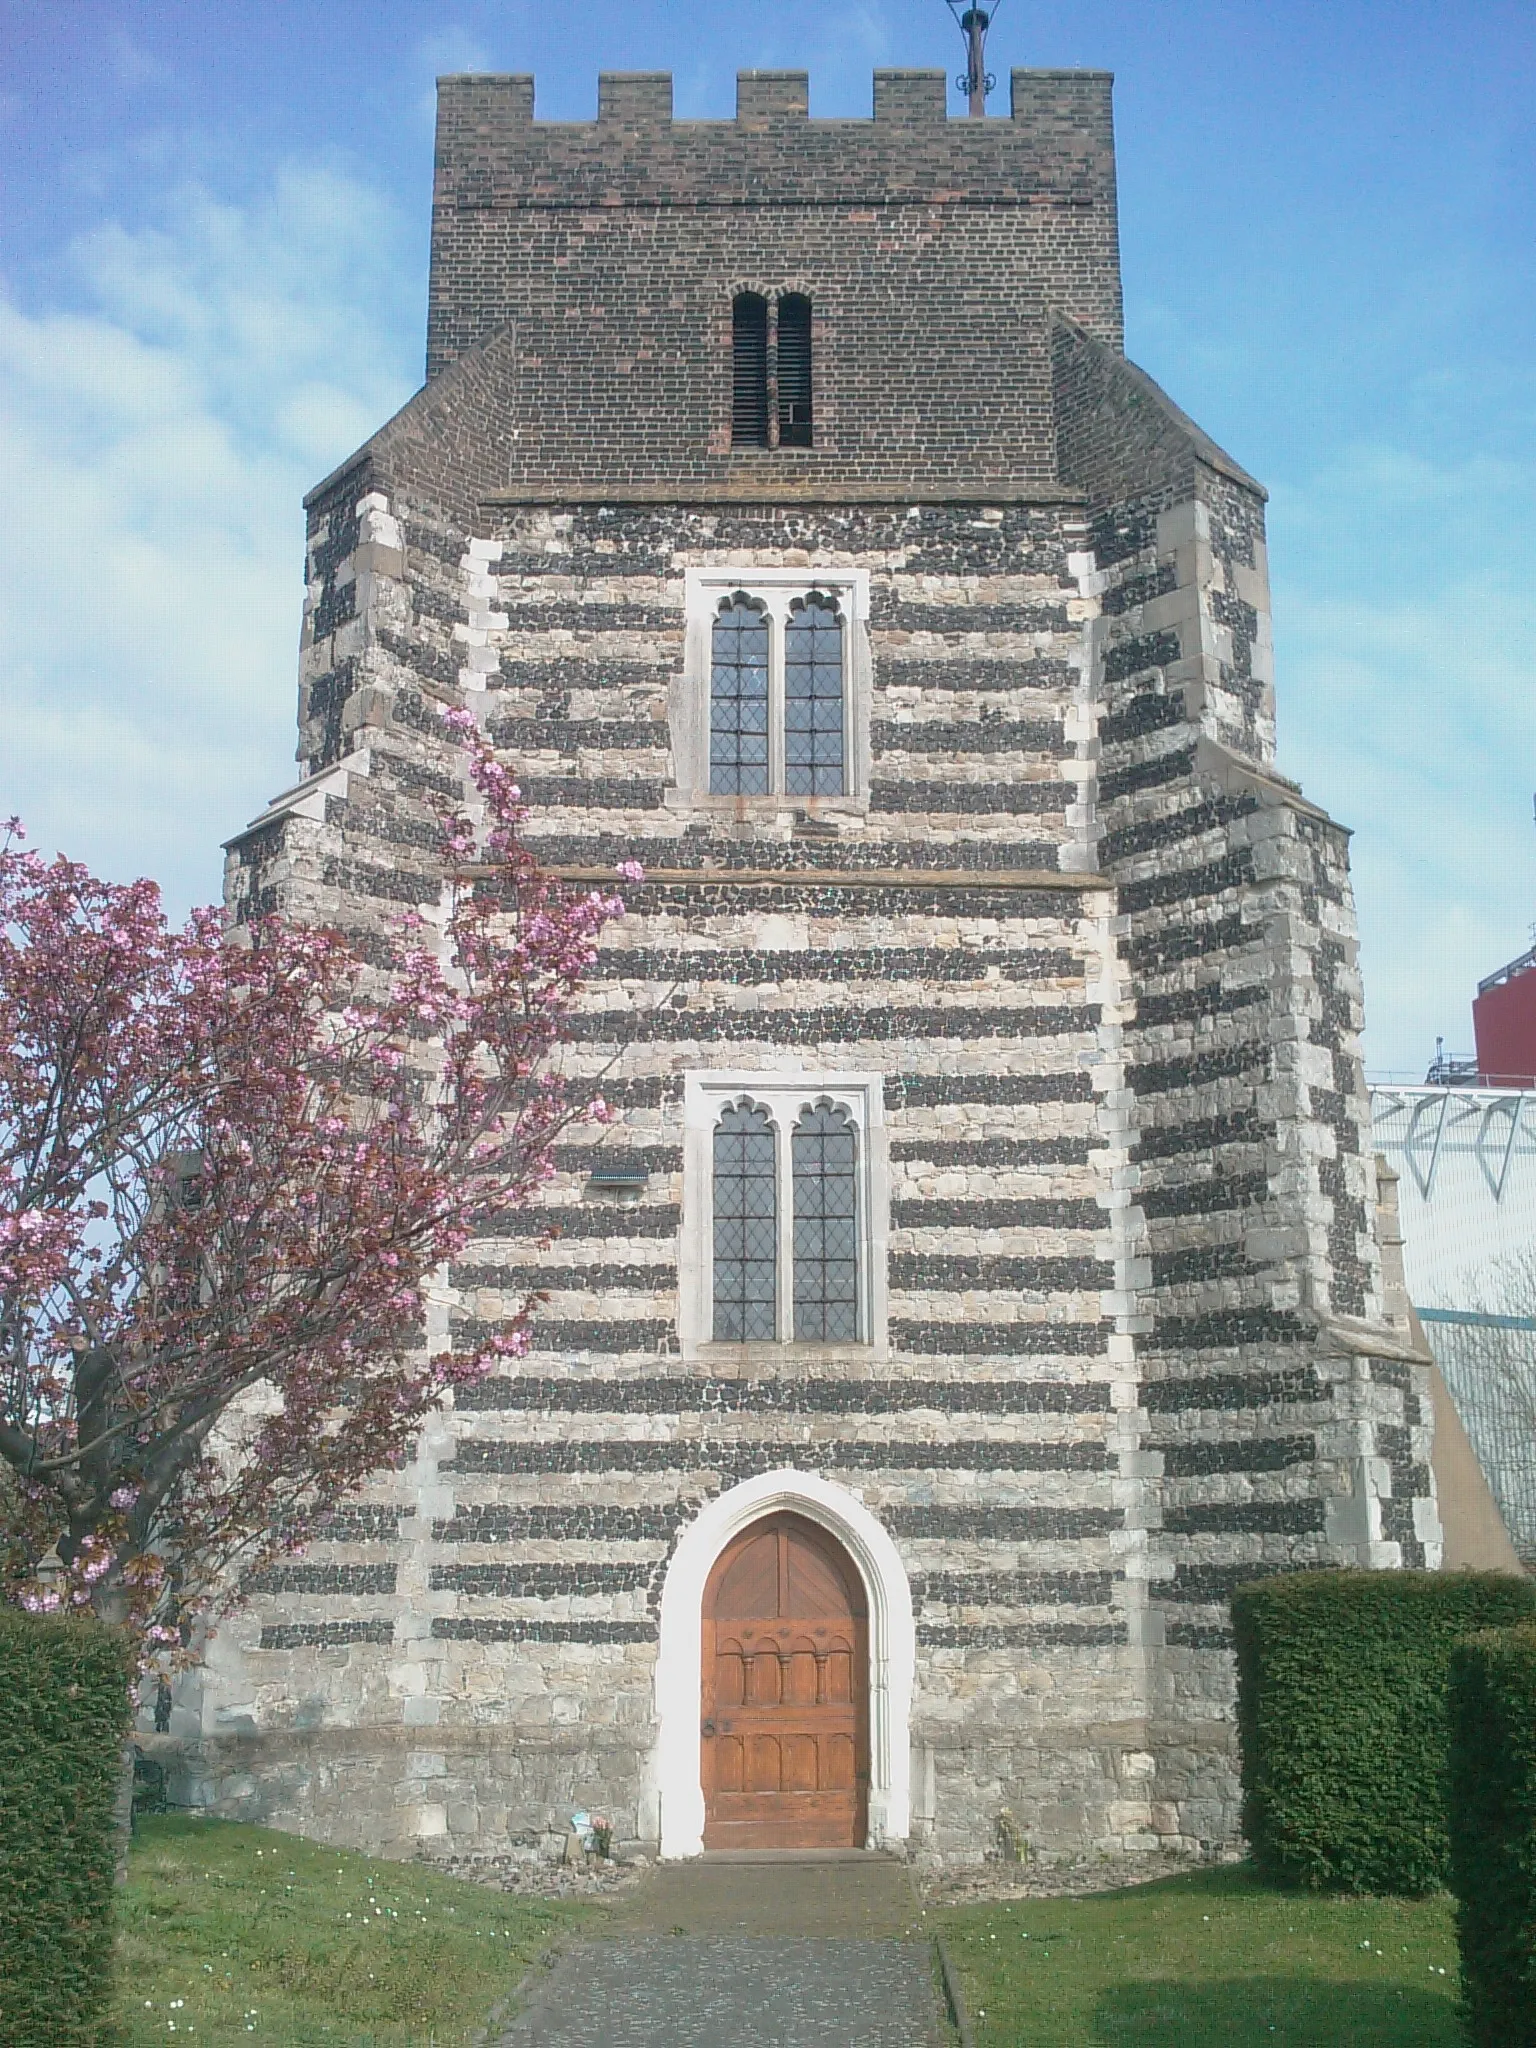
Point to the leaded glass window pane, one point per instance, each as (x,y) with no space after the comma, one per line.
(738,701)
(824,1156)
(746,1228)
(813,699)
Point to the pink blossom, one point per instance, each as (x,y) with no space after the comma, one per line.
(282,1188)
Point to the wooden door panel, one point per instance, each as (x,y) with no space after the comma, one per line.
(838,1763)
(751,1582)
(785,1693)
(767,1765)
(730,1764)
(800,1764)
(816,1587)
(801,1689)
(784,1820)
(730,1677)
(839,1676)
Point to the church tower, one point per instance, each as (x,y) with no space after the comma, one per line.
(981,1277)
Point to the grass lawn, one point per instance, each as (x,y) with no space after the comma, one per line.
(1210,1960)
(237,1934)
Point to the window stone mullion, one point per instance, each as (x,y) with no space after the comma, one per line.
(784,1156)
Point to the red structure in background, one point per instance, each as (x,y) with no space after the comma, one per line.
(1504,1023)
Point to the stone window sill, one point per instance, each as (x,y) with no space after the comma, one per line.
(748,1361)
(767,808)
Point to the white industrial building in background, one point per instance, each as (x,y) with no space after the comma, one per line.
(1465,1157)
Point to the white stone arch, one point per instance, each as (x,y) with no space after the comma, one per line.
(892,1649)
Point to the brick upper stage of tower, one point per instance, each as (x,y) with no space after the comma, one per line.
(592,265)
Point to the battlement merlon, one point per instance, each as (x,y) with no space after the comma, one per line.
(1062,114)
(491,150)
(1048,171)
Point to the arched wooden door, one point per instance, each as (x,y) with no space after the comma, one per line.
(785,1726)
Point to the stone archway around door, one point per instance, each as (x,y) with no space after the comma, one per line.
(784,1693)
(677,1786)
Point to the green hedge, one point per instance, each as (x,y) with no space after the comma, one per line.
(64,1707)
(1493,1832)
(1341,1712)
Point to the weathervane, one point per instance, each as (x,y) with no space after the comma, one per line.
(975,81)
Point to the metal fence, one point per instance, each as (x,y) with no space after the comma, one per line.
(1489,1363)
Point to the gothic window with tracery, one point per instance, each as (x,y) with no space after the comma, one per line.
(787,1216)
(778,695)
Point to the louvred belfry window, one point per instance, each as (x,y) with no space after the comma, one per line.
(794,371)
(749,371)
(780,344)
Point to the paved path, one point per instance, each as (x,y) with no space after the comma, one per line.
(778,1952)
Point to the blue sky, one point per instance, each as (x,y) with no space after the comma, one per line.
(213,232)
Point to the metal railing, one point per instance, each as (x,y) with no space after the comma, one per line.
(1489,1364)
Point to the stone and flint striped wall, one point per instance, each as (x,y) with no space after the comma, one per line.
(1102,957)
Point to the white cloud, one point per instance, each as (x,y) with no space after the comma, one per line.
(157,435)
